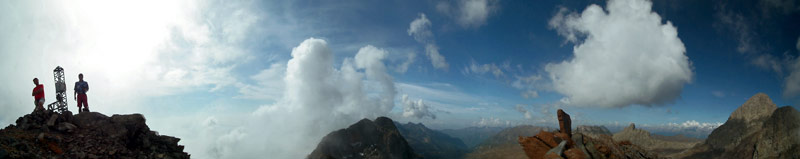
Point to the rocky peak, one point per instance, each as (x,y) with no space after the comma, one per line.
(365,139)
(757,107)
(47,134)
(757,129)
(632,126)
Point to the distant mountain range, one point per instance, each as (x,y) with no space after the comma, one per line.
(432,144)
(757,129)
(472,136)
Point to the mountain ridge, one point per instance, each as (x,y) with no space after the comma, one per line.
(755,135)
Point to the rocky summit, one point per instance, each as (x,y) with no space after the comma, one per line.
(564,144)
(365,139)
(47,134)
(749,133)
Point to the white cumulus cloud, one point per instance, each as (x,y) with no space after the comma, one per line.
(469,13)
(626,56)
(417,109)
(420,29)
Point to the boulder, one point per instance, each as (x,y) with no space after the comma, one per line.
(66,127)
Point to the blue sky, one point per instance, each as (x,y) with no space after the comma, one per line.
(217,73)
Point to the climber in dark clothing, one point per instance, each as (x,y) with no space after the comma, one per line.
(81,87)
(38,95)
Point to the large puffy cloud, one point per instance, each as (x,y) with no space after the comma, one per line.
(317,98)
(419,28)
(417,109)
(627,57)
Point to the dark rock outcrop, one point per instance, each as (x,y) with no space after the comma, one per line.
(565,127)
(755,130)
(365,139)
(46,134)
(431,144)
(564,123)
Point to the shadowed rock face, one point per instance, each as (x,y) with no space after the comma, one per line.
(744,121)
(365,139)
(749,133)
(87,135)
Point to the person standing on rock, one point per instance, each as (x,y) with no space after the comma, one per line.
(38,95)
(81,87)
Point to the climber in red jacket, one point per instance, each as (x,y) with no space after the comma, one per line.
(38,95)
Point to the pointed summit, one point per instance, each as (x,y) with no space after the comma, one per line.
(632,126)
(757,107)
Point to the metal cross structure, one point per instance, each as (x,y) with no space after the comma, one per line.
(61,91)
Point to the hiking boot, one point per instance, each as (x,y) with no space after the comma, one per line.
(86,109)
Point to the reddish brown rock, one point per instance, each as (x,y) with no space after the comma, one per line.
(548,138)
(538,145)
(562,137)
(575,153)
(552,156)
